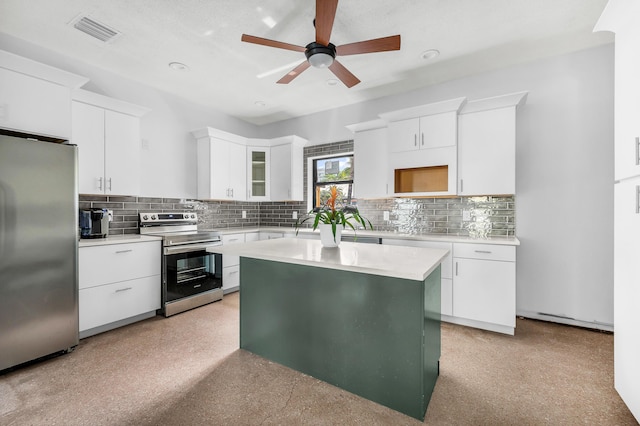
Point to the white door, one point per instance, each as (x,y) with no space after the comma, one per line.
(87,131)
(627,293)
(403,135)
(438,130)
(281,163)
(237,170)
(122,153)
(370,164)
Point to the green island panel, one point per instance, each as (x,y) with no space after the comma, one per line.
(374,336)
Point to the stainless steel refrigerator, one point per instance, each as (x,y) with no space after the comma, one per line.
(38,249)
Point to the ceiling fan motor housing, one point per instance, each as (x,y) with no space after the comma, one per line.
(320,61)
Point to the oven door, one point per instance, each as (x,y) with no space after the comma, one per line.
(189,270)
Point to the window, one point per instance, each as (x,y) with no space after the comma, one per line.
(330,171)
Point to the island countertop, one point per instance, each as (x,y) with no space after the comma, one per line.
(413,263)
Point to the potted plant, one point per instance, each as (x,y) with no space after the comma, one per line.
(331,220)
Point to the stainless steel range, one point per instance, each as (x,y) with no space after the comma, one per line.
(191,276)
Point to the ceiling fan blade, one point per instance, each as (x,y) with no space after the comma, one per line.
(325,14)
(343,74)
(293,73)
(383,44)
(271,43)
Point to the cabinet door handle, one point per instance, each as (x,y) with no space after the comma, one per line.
(637,199)
(109,184)
(483,251)
(422,137)
(100,183)
(231,192)
(461,185)
(456,269)
(124,251)
(123,289)
(415,139)
(637,151)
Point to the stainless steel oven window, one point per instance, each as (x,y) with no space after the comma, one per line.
(189,273)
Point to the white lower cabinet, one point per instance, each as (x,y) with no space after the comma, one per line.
(446,270)
(231,264)
(271,235)
(119,284)
(478,287)
(484,286)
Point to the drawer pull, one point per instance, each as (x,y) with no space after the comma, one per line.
(233,239)
(483,251)
(123,289)
(123,251)
(233,272)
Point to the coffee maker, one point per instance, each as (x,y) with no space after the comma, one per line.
(94,223)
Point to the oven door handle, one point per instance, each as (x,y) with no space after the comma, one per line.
(188,248)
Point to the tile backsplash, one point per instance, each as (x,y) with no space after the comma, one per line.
(211,214)
(473,216)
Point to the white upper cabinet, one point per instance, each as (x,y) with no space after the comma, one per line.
(370,159)
(107,132)
(287,169)
(621,17)
(487,146)
(222,165)
(259,173)
(35,98)
(422,150)
(234,167)
(432,131)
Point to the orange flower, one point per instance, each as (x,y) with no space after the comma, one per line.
(331,203)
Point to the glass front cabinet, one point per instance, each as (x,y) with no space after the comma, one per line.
(258,169)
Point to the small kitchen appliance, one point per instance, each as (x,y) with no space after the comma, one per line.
(94,223)
(191,276)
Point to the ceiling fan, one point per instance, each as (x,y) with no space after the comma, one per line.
(321,53)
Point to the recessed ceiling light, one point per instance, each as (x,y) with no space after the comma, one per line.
(261,104)
(178,66)
(429,54)
(332,82)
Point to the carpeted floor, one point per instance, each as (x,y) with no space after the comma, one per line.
(188,370)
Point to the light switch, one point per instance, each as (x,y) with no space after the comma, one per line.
(385,215)
(244,214)
(294,215)
(466,215)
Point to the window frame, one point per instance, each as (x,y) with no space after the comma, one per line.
(311,175)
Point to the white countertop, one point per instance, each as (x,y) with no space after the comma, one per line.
(116,239)
(410,263)
(510,241)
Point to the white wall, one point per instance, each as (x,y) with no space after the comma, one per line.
(564,201)
(168,165)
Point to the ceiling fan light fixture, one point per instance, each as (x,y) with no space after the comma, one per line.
(320,56)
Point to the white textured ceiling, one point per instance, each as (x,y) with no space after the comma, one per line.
(472,36)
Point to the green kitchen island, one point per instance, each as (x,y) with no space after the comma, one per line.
(363,317)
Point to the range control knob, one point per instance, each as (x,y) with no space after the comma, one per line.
(193,216)
(153,217)
(145,217)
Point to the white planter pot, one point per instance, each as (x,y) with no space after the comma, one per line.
(326,235)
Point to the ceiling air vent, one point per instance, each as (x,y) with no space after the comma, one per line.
(95,29)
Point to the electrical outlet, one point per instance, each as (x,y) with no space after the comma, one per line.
(385,215)
(244,214)
(110,213)
(466,215)
(294,215)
